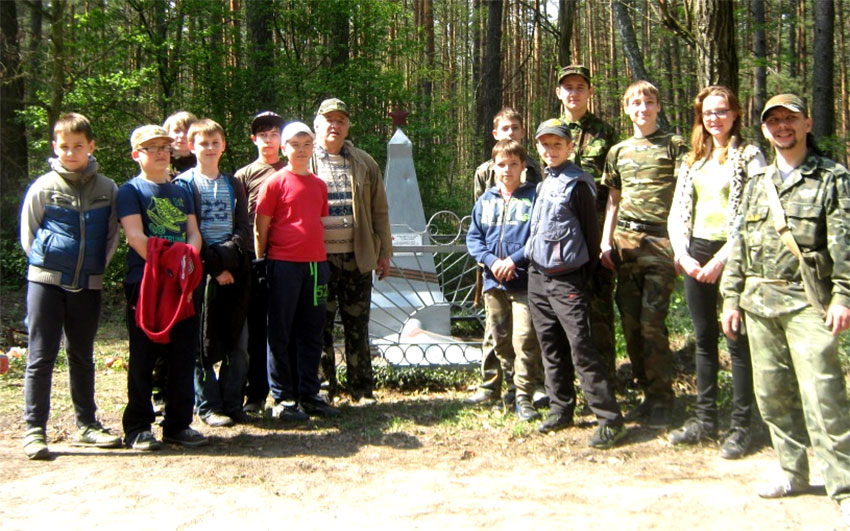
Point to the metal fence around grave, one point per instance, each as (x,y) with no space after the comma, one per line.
(423,313)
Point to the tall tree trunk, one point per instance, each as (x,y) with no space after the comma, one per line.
(492,80)
(760,53)
(632,51)
(845,105)
(261,54)
(792,37)
(57,40)
(566,16)
(13,148)
(478,65)
(823,92)
(428,27)
(718,58)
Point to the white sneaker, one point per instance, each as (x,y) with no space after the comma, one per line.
(783,486)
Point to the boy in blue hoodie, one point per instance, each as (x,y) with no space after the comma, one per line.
(496,239)
(562,248)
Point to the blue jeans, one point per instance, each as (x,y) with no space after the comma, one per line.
(223,394)
(50,311)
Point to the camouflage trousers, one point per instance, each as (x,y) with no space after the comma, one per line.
(350,292)
(799,387)
(645,281)
(511,348)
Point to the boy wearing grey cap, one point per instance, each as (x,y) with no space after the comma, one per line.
(563,247)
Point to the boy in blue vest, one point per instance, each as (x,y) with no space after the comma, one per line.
(496,239)
(563,248)
(69,231)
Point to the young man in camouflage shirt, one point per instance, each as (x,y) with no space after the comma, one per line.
(640,174)
(592,139)
(793,334)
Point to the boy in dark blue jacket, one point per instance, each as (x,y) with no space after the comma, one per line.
(562,248)
(496,239)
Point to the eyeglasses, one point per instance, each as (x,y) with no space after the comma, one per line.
(717,113)
(156,149)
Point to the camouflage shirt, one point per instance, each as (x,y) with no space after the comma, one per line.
(592,138)
(485,177)
(762,276)
(643,169)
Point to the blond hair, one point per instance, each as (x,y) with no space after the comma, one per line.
(205,127)
(643,88)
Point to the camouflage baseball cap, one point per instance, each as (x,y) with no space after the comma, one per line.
(331,105)
(146,133)
(578,70)
(554,126)
(792,102)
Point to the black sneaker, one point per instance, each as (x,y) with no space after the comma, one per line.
(692,431)
(607,436)
(240,417)
(315,406)
(660,416)
(480,398)
(641,411)
(525,409)
(186,437)
(540,399)
(287,411)
(736,443)
(555,422)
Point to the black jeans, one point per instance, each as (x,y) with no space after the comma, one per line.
(559,311)
(257,386)
(50,311)
(702,304)
(179,354)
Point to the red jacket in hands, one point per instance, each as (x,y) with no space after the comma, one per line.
(172,272)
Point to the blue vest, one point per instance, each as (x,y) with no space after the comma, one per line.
(557,245)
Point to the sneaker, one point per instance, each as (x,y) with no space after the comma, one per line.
(315,406)
(239,416)
(540,399)
(525,411)
(736,443)
(781,487)
(35,444)
(254,407)
(660,416)
(640,411)
(693,431)
(366,401)
(607,436)
(287,411)
(844,506)
(555,422)
(217,420)
(187,437)
(509,399)
(481,397)
(144,441)
(96,435)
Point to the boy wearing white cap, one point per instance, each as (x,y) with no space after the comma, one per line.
(288,233)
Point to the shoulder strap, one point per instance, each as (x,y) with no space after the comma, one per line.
(779,221)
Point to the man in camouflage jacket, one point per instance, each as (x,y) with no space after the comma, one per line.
(592,139)
(799,383)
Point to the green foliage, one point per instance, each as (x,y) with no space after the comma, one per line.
(13,263)
(418,378)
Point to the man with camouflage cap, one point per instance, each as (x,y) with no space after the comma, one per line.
(640,174)
(793,318)
(357,240)
(592,139)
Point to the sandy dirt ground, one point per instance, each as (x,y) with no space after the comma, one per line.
(410,462)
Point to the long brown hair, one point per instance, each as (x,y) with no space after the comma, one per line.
(702,144)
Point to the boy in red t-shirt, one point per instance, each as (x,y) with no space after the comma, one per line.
(288,233)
